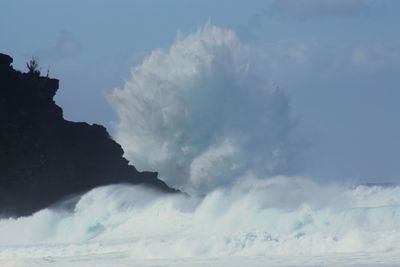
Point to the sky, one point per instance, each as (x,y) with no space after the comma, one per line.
(337,60)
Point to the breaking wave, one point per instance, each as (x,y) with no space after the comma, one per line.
(276,216)
(201,116)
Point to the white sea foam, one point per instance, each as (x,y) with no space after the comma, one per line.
(276,216)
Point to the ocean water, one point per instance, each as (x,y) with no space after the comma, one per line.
(281,218)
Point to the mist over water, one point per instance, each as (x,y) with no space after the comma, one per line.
(201,116)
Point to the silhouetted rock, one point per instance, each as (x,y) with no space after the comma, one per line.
(5,60)
(44,158)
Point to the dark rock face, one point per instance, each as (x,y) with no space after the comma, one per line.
(44,158)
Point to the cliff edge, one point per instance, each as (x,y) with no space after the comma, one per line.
(44,158)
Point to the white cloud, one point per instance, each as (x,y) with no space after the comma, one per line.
(326,58)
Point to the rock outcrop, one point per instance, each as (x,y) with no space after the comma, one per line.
(44,158)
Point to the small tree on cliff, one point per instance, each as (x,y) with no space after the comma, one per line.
(33,66)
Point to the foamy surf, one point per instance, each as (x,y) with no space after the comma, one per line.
(281,216)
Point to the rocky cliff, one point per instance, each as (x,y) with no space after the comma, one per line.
(44,158)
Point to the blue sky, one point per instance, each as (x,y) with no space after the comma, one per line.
(338,60)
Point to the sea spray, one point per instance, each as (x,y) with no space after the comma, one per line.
(200,115)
